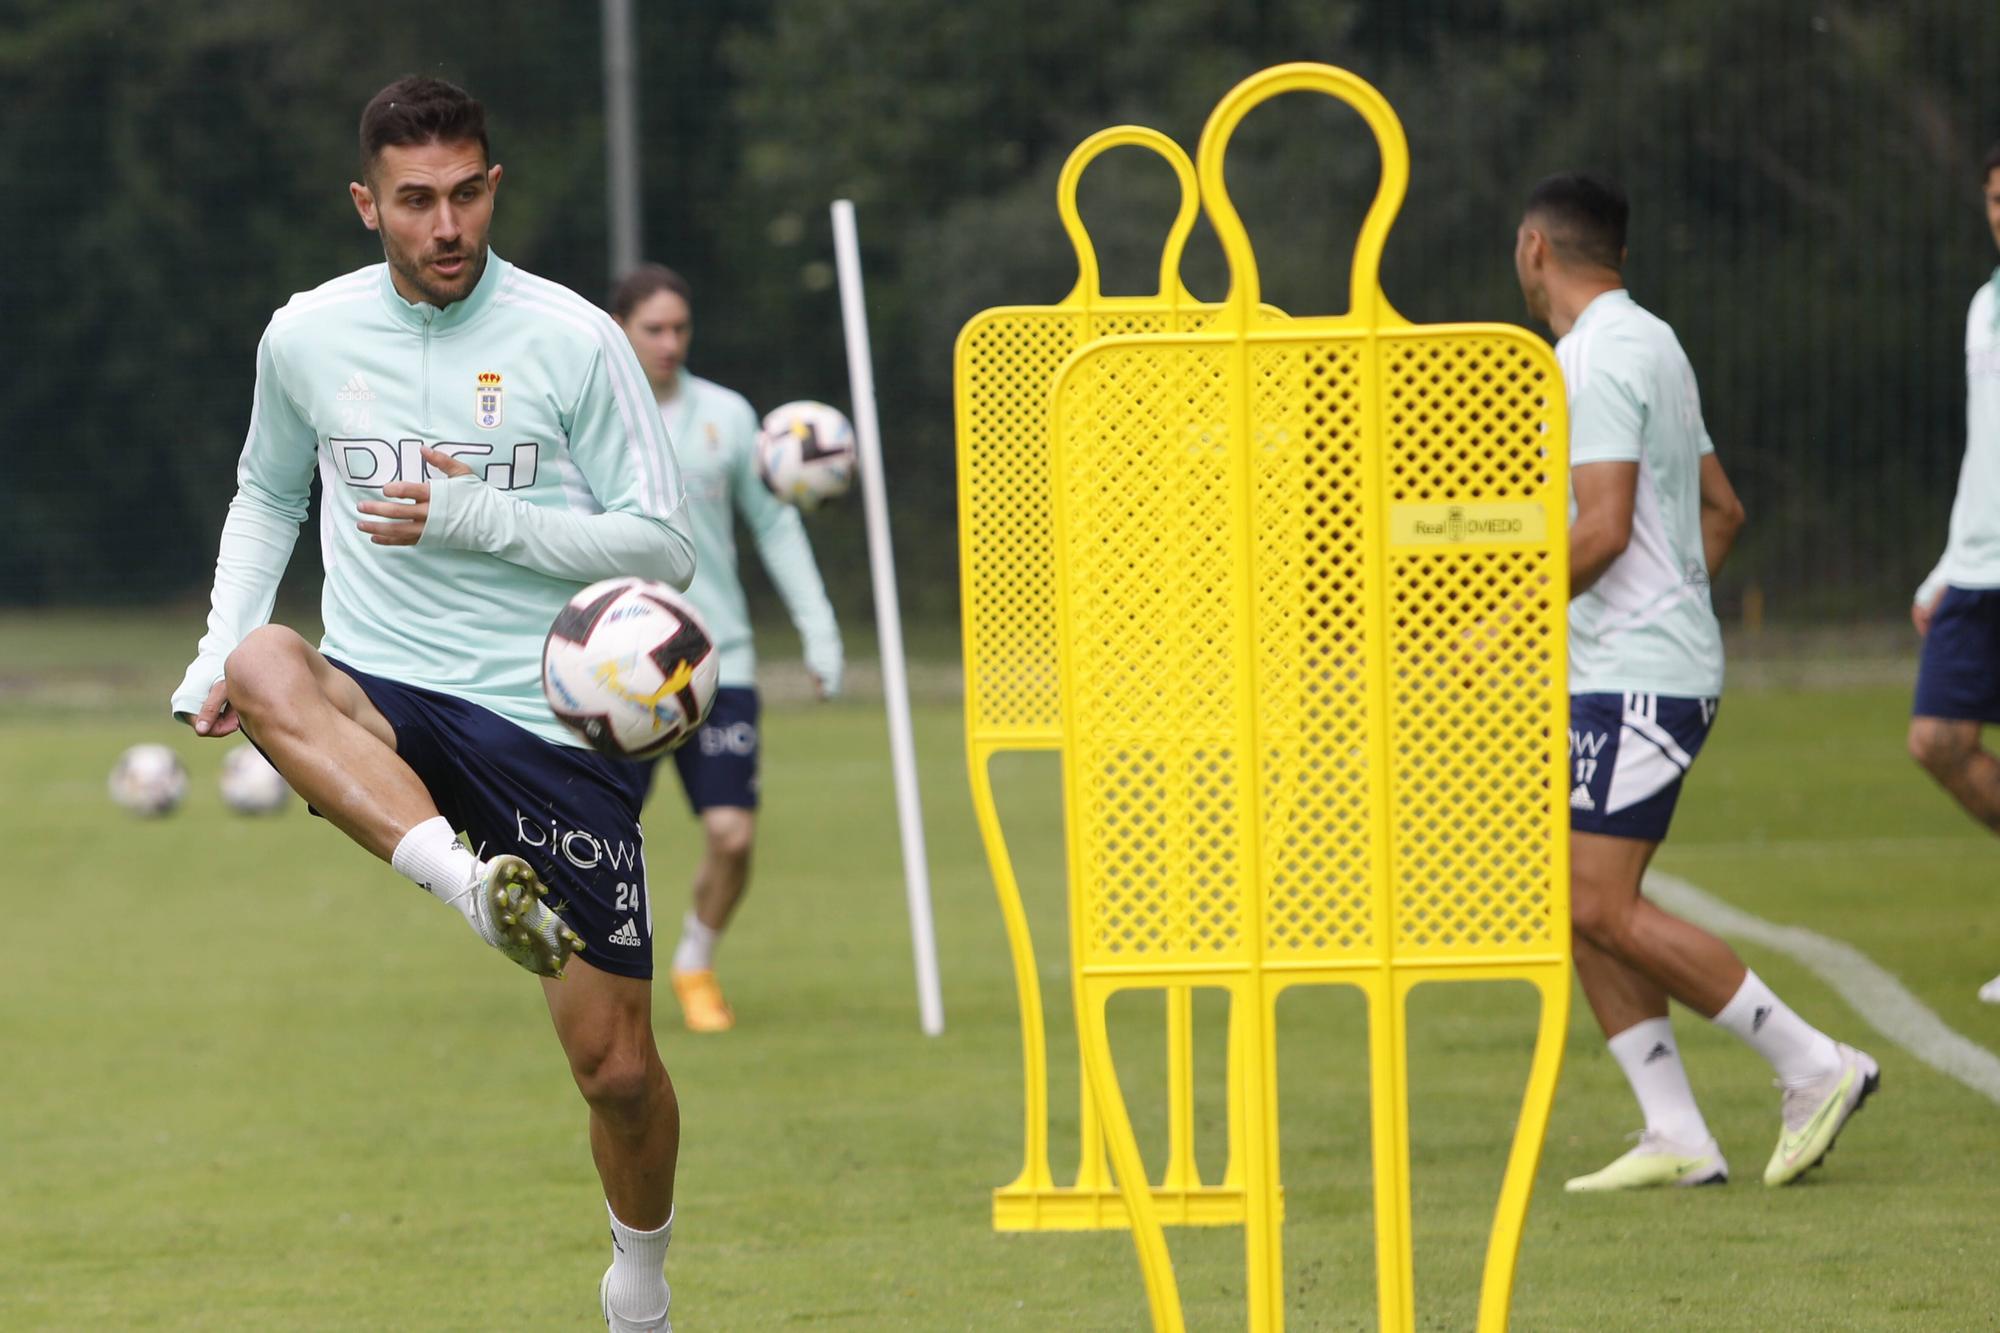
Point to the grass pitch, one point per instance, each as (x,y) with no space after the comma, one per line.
(256,1081)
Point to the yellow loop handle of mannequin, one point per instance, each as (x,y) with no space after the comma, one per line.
(1122,136)
(1366,302)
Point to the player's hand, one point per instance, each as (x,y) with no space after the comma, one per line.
(820,691)
(1921,612)
(216,717)
(406,505)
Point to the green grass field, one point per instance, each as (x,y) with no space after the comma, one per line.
(256,1081)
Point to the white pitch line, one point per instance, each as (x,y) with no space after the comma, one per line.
(1874,992)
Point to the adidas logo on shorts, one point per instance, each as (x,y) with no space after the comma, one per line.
(1579,799)
(627,935)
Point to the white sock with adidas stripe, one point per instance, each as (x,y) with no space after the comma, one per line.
(1651,1059)
(638,1287)
(1797,1050)
(431,856)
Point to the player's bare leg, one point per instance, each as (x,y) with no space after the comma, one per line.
(1949,750)
(1619,996)
(1609,912)
(332,745)
(1824,1081)
(335,749)
(1675,1147)
(720,882)
(605,1024)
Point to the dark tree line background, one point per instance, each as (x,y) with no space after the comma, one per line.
(1804,179)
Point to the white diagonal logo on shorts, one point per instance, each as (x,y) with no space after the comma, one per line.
(627,935)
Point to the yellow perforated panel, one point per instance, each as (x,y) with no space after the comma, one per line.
(1007,362)
(1188,541)
(1475,645)
(1163,824)
(1317,782)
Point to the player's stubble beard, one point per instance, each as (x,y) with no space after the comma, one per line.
(413,272)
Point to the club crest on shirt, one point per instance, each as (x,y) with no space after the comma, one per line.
(714,436)
(487,400)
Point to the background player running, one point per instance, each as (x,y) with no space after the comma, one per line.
(715,434)
(1653,515)
(486,447)
(1957,611)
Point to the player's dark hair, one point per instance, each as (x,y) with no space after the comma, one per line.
(417,109)
(638,286)
(1584,217)
(1992,163)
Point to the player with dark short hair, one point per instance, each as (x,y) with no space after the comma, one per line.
(715,431)
(1957,610)
(485,447)
(1652,516)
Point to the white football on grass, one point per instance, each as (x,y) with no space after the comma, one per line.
(250,786)
(148,780)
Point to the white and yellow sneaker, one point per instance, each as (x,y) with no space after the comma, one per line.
(508,913)
(1656,1162)
(1815,1112)
(618,1323)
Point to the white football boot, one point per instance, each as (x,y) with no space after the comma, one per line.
(1990,992)
(1814,1114)
(508,913)
(1657,1161)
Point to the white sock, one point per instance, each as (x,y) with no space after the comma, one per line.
(1651,1059)
(696,951)
(638,1289)
(433,858)
(1797,1050)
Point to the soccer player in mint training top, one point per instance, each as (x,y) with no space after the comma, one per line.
(715,433)
(1652,516)
(485,447)
(1957,611)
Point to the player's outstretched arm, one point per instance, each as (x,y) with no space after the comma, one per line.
(273,484)
(1721,513)
(1605,496)
(782,545)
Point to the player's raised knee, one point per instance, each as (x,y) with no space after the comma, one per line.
(1940,745)
(265,668)
(731,834)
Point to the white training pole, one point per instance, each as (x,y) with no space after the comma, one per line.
(621,136)
(888,616)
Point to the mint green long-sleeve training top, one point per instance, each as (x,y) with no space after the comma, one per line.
(573,480)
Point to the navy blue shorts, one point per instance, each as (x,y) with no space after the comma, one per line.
(718,765)
(1958,675)
(571,813)
(1627,755)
